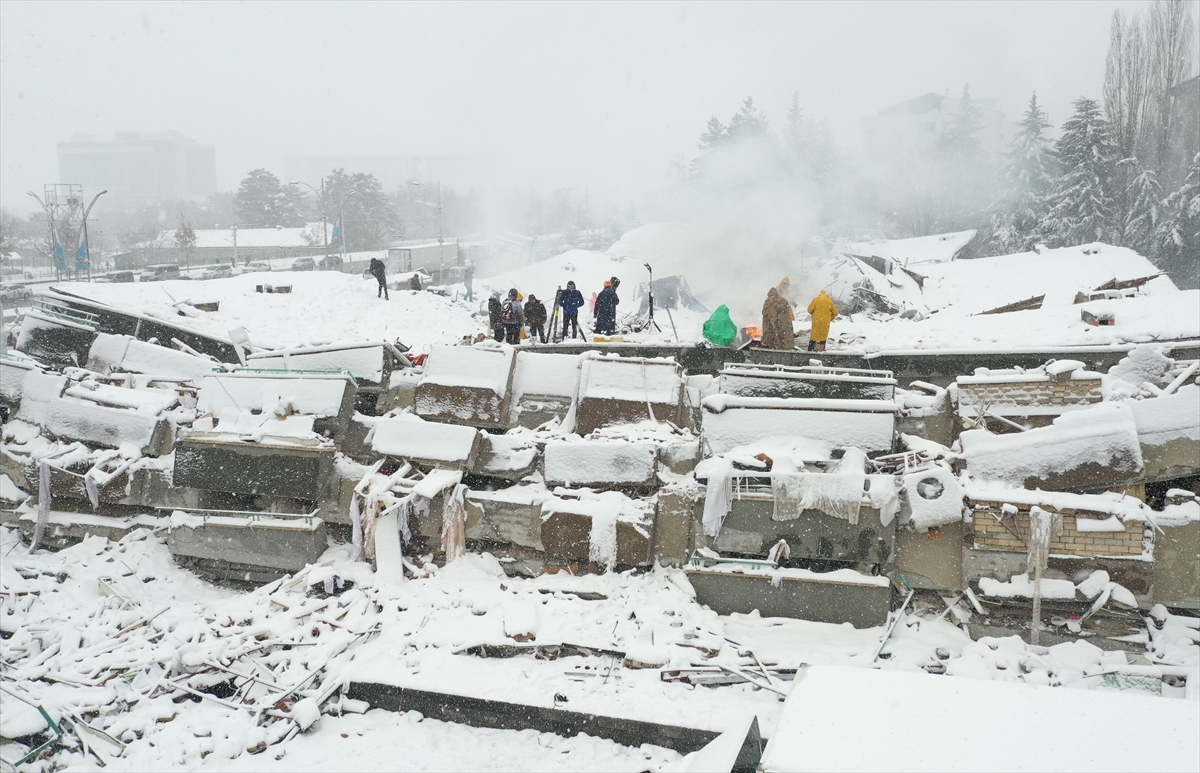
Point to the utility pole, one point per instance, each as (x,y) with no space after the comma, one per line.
(441,239)
(343,222)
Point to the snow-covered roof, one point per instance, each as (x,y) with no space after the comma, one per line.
(981,284)
(1104,435)
(251,237)
(938,248)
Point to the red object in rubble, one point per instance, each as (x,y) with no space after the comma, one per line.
(416,359)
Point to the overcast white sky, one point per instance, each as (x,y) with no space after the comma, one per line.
(555,94)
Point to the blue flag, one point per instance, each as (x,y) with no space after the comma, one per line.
(81,253)
(60,258)
(336,239)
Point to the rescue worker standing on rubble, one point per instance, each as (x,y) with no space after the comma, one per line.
(823,312)
(535,315)
(570,301)
(494,321)
(377,270)
(777,322)
(606,308)
(512,315)
(468,278)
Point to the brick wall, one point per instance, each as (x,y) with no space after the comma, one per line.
(1074,392)
(992,535)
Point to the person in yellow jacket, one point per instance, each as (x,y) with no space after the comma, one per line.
(823,311)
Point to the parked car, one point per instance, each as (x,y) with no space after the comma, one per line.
(258,265)
(159,272)
(119,276)
(217,271)
(331,263)
(16,295)
(304,264)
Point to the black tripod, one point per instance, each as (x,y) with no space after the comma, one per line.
(650,323)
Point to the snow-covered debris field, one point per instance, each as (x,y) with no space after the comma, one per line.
(180,673)
(323,306)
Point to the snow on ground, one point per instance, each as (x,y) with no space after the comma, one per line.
(590,270)
(323,306)
(67,643)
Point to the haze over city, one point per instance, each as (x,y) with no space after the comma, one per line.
(596,95)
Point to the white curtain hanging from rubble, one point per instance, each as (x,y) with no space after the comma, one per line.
(838,492)
(718,498)
(454,524)
(43,518)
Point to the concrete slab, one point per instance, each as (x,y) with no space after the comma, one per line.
(761,380)
(466,385)
(288,544)
(750,529)
(293,468)
(568,536)
(862,604)
(479,712)
(68,528)
(503,517)
(600,463)
(627,390)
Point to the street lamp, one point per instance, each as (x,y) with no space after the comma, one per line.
(321,197)
(439,209)
(343,222)
(83,233)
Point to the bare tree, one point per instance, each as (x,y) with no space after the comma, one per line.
(1170,39)
(1126,82)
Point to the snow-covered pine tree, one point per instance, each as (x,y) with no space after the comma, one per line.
(714,134)
(1145,208)
(1027,177)
(1178,233)
(749,122)
(258,199)
(1081,203)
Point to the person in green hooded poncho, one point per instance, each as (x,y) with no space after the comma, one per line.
(719,329)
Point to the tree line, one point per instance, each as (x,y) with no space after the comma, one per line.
(1125,171)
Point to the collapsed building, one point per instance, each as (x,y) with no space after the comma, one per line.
(811,491)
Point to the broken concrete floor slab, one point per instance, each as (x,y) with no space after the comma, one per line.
(294,468)
(479,712)
(863,601)
(287,544)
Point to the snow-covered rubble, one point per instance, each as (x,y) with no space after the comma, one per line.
(590,478)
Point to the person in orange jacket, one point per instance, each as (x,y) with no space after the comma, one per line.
(823,312)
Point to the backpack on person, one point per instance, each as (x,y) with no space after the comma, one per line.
(508,312)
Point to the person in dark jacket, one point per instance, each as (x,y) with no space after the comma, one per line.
(535,315)
(494,311)
(512,314)
(606,308)
(571,301)
(377,270)
(468,278)
(415,282)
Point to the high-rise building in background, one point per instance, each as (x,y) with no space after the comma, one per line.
(140,167)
